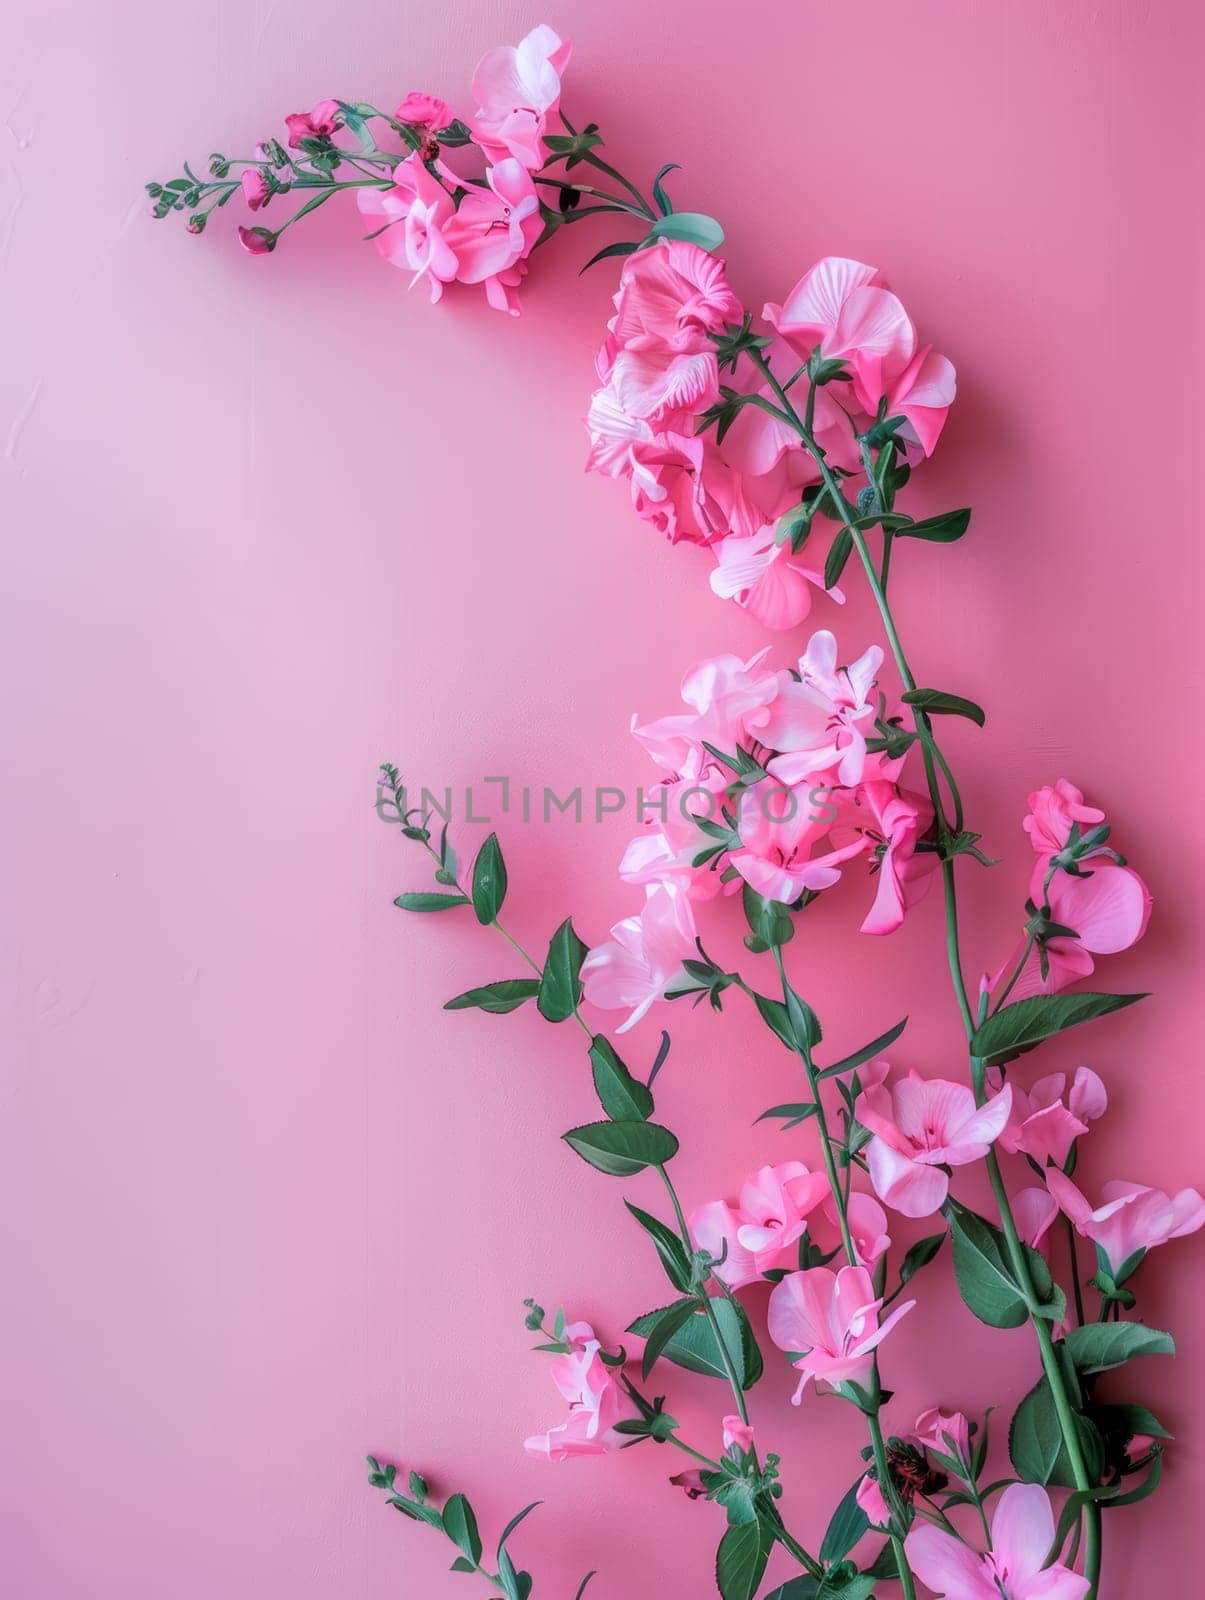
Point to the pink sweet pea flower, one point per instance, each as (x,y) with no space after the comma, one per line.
(948,1433)
(870,1499)
(714,1227)
(493,230)
(671,297)
(1022,1533)
(892,822)
(846,308)
(779,828)
(517,88)
(1052,811)
(820,723)
(1040,1125)
(424,111)
(256,187)
(923,393)
(765,579)
(737,1433)
(921,1125)
(1034,1209)
(257,241)
(1131,1218)
(727,699)
(773,1210)
(411,221)
(1108,907)
(867,1223)
(828,1322)
(644,955)
(321,121)
(667,855)
(690,1482)
(596,1403)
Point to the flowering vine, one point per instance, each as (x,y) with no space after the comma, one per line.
(780,445)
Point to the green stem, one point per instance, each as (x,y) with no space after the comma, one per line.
(1073,1251)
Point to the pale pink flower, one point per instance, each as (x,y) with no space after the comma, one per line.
(494,230)
(766,579)
(757,442)
(1022,1533)
(666,853)
(921,1125)
(1041,1125)
(517,89)
(670,297)
(1130,1218)
(846,308)
(411,222)
(714,1227)
(727,699)
(779,829)
(948,1433)
(820,722)
(634,968)
(1052,811)
(737,1433)
(596,1403)
(870,1499)
(773,1209)
(424,111)
(1034,1209)
(321,121)
(828,1322)
(666,472)
(923,393)
(892,821)
(256,188)
(867,1223)
(1108,908)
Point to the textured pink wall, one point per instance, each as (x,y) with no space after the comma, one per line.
(264,1205)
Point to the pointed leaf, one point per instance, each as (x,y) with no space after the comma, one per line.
(461,1526)
(937,703)
(1022,1026)
(430,901)
(668,1245)
(489,881)
(623,1097)
(508,994)
(1101,1345)
(561,984)
(621,1149)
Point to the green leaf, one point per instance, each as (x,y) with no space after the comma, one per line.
(581,1588)
(936,703)
(849,1523)
(621,1149)
(805,1024)
(666,1323)
(797,1112)
(741,1560)
(489,881)
(1020,1027)
(561,985)
(804,1587)
(866,1053)
(774,1015)
(624,1098)
(858,1587)
(463,1564)
(1131,1419)
(516,1520)
(985,1276)
(1035,1441)
(430,901)
(839,554)
(694,1345)
(943,529)
(669,1247)
(693,226)
(508,994)
(461,1526)
(1101,1345)
(919,1255)
(622,247)
(769,920)
(660,197)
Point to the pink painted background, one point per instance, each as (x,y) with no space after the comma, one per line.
(264,1205)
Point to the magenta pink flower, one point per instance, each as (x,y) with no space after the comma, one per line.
(727,699)
(773,1210)
(1052,812)
(828,1323)
(256,187)
(921,1125)
(321,121)
(596,1402)
(493,231)
(671,297)
(1130,1220)
(737,1433)
(1041,1125)
(517,88)
(1108,908)
(257,241)
(892,822)
(411,222)
(867,1223)
(424,111)
(765,579)
(948,1433)
(714,1227)
(820,722)
(643,956)
(1034,1209)
(1022,1533)
(780,828)
(923,394)
(870,1498)
(690,1482)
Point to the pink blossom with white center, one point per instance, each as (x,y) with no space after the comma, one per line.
(828,1322)
(596,1402)
(819,724)
(634,968)
(517,88)
(727,697)
(764,578)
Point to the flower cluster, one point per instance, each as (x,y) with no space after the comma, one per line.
(673,332)
(773,782)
